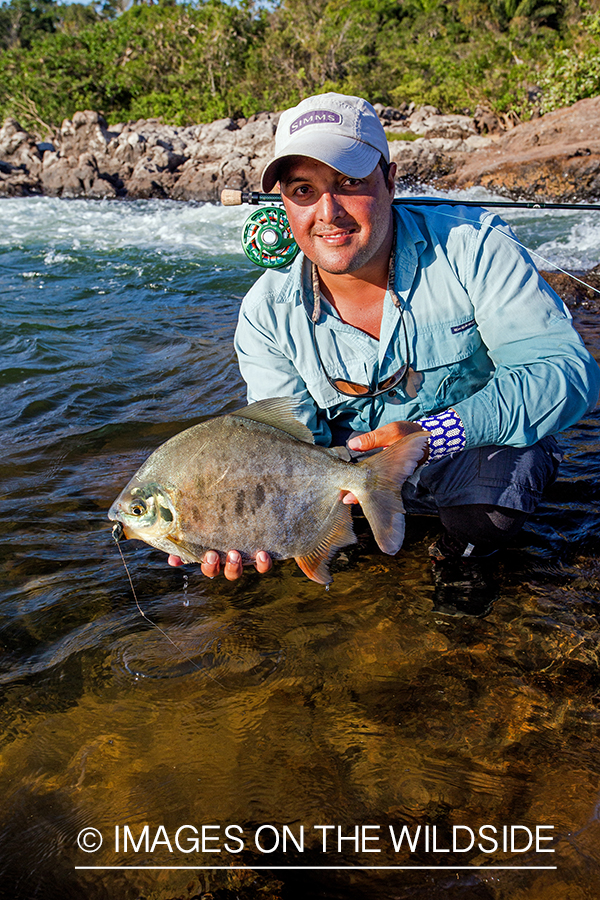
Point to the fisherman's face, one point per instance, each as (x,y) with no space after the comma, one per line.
(342,224)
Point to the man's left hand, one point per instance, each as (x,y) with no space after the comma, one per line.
(233,568)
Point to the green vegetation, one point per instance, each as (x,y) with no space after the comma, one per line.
(200,61)
(401,135)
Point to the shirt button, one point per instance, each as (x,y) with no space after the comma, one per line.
(392,393)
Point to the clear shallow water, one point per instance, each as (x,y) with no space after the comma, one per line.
(284,704)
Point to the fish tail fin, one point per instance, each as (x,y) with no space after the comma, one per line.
(380,498)
(337,532)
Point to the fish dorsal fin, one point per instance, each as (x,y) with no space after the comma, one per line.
(337,532)
(279,412)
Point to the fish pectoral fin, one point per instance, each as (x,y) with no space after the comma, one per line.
(339,453)
(188,553)
(337,533)
(278,412)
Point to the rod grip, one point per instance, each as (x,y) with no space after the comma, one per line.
(231,198)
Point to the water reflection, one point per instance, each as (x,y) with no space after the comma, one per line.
(284,704)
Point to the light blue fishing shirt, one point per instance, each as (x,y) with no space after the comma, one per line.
(487,336)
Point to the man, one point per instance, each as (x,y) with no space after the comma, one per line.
(396,319)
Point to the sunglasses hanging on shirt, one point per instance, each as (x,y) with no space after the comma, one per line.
(353,388)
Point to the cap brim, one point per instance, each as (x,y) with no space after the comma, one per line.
(348,156)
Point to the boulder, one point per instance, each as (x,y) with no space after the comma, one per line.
(86,132)
(553,157)
(420,162)
(556,156)
(74,177)
(20,161)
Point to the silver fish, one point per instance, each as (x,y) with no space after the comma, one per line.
(254,480)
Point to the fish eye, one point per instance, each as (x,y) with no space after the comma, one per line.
(138,508)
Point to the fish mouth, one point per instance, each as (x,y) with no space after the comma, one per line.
(121,532)
(118,532)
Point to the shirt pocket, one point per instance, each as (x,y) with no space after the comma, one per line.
(323,393)
(454,362)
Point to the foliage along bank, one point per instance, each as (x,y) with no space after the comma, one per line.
(206,60)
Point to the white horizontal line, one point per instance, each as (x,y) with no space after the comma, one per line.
(318,868)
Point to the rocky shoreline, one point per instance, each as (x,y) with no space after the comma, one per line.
(554,157)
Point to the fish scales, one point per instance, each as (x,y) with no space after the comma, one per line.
(263,488)
(254,480)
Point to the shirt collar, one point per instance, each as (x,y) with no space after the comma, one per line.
(410,243)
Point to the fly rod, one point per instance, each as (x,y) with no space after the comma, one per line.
(236,198)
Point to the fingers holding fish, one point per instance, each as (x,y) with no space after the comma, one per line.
(384,436)
(232,570)
(234,565)
(263,562)
(174,560)
(211,564)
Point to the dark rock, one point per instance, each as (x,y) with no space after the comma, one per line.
(486,122)
(21,161)
(87,132)
(574,293)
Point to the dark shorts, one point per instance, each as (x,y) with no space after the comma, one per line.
(513,477)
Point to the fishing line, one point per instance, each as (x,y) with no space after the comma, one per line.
(523,247)
(268,255)
(144,616)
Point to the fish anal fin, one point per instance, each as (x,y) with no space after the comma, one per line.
(337,533)
(278,412)
(315,567)
(381,500)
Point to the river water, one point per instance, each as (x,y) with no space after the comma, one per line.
(282,708)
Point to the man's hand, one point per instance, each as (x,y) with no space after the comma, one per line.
(233,568)
(380,438)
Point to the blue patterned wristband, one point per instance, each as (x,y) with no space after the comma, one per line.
(447,433)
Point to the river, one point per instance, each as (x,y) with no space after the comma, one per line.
(272,739)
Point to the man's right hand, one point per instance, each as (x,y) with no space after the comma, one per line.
(233,568)
(382,437)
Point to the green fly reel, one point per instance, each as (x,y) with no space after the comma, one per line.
(267,239)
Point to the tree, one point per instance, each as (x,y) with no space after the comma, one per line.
(22,21)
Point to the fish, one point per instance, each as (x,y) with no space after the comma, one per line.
(255,480)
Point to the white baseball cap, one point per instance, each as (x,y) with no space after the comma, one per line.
(343,132)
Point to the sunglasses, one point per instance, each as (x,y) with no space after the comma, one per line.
(353,388)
